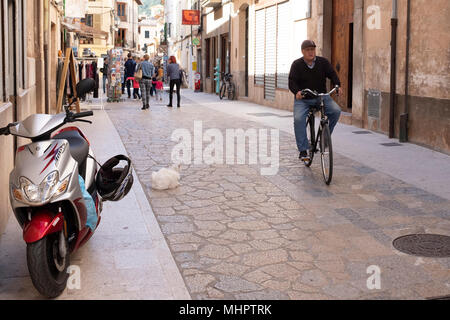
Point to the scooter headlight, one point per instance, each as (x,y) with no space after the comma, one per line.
(40,193)
(48,185)
(30,190)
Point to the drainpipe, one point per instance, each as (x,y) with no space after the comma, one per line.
(46,41)
(403,136)
(394,23)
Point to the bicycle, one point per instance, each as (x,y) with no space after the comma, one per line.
(323,135)
(227,87)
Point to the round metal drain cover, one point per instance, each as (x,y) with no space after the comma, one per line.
(425,245)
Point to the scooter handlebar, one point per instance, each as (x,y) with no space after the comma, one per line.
(5,130)
(83,114)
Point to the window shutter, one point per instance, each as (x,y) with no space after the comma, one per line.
(284,28)
(270,53)
(259,46)
(97,22)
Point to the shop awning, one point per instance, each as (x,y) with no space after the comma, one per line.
(83,30)
(70,27)
(90,31)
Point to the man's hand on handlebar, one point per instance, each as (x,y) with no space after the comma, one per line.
(338,91)
(299,95)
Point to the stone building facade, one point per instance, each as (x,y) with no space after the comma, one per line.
(258,40)
(30,40)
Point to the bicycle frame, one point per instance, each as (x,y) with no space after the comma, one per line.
(323,117)
(319,136)
(227,87)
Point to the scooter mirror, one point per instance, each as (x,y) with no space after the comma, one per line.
(85,86)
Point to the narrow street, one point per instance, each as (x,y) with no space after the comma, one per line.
(238,235)
(251,217)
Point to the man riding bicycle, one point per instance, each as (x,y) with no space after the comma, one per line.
(310,72)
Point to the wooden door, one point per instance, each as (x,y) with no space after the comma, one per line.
(342,49)
(225,53)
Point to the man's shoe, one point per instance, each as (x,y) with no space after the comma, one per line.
(304,156)
(143,108)
(169,105)
(178,106)
(147,107)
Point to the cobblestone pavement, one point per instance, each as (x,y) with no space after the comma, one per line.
(236,234)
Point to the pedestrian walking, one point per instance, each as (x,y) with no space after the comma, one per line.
(161,73)
(154,76)
(136,94)
(173,73)
(146,83)
(130,67)
(159,88)
(104,71)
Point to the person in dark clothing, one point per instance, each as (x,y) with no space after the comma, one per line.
(173,72)
(130,67)
(153,91)
(104,71)
(310,72)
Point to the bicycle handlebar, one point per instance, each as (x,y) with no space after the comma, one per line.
(316,94)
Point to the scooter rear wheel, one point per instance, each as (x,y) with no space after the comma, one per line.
(48,270)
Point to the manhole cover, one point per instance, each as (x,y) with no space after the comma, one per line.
(425,245)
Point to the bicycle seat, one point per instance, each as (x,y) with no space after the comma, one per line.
(79,148)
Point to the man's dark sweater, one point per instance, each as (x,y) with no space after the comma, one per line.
(130,66)
(302,77)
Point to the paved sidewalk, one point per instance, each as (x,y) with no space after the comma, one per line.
(126,258)
(236,234)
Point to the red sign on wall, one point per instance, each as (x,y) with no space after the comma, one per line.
(190,17)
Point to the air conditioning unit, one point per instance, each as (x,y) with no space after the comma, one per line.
(211,3)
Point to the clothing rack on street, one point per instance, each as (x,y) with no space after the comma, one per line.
(88,68)
(69,62)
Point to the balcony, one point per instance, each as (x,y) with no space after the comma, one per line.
(211,3)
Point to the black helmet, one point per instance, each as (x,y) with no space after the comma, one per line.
(114,183)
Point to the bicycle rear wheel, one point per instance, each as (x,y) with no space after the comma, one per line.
(223,90)
(231,91)
(310,135)
(326,154)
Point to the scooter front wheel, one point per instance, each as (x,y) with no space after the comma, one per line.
(48,269)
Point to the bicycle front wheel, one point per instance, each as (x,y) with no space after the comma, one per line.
(310,136)
(223,90)
(231,91)
(326,154)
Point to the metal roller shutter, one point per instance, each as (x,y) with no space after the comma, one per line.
(270,53)
(284,29)
(260,21)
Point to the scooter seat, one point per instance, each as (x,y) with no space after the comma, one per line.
(79,148)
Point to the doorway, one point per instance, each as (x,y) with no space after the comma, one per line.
(342,49)
(225,54)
